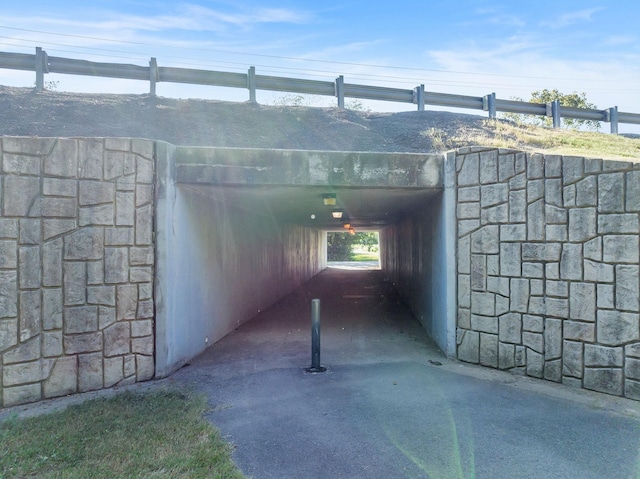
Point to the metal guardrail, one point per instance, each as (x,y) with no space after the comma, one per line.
(42,64)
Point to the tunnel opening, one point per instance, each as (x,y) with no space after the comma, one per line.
(234,243)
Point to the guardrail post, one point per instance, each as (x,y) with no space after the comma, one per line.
(153,76)
(612,117)
(251,84)
(489,104)
(555,113)
(418,96)
(40,56)
(339,87)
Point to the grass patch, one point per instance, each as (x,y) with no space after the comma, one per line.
(153,435)
(363,256)
(505,134)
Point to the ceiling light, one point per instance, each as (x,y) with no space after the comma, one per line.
(329,199)
(337,214)
(346,225)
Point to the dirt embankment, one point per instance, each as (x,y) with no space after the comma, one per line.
(25,112)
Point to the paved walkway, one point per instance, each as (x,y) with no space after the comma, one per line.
(390,405)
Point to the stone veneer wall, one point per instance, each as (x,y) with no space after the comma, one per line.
(548,267)
(76,266)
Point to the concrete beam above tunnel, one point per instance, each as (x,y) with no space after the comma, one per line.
(251,166)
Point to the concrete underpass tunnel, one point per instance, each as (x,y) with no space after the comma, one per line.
(238,229)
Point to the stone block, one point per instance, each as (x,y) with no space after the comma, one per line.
(118,236)
(80,319)
(493,264)
(90,372)
(577,331)
(54,207)
(498,285)
(632,389)
(534,324)
(615,328)
(602,356)
(125,208)
(535,166)
(126,183)
(101,215)
(101,295)
(521,356)
(127,301)
(22,373)
(21,395)
(52,344)
(118,144)
(468,346)
(559,289)
(19,194)
(572,382)
(535,364)
(145,367)
(518,182)
(587,192)
(552,270)
(557,307)
(63,378)
(502,305)
(82,343)
(90,158)
(618,223)
(552,339)
(489,167)
(84,244)
(129,365)
(492,195)
(541,251)
(143,148)
(57,227)
(116,265)
(29,266)
(485,324)
(52,263)
(144,274)
(468,210)
(553,192)
(606,299)
(8,226)
(593,249)
(632,350)
(555,214)
(95,272)
(611,193)
(553,370)
(464,255)
(106,316)
(519,295)
(582,224)
(465,195)
(113,371)
(537,306)
(533,341)
(517,232)
(535,190)
(464,290)
(141,256)
(30,231)
(633,191)
(571,261)
(485,240)
(510,328)
(506,356)
(463,319)
(75,283)
(467,226)
(144,195)
(27,351)
(63,159)
(572,169)
(8,333)
(52,309)
(478,272)
(144,225)
(572,359)
(582,301)
(483,303)
(533,270)
(569,196)
(556,233)
(552,166)
(536,221)
(506,167)
(495,214)
(145,346)
(469,172)
(141,328)
(113,165)
(604,380)
(510,259)
(144,173)
(8,254)
(21,164)
(59,187)
(489,350)
(620,249)
(627,287)
(30,314)
(117,339)
(598,272)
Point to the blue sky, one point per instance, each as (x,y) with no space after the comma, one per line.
(470,47)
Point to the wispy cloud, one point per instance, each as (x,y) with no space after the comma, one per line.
(572,18)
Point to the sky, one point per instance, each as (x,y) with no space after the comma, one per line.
(467,47)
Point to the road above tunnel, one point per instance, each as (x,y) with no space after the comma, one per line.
(390,404)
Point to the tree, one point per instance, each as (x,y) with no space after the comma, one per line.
(340,245)
(575,100)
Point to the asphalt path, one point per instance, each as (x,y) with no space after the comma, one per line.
(390,405)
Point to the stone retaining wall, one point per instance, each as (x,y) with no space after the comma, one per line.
(548,267)
(76,266)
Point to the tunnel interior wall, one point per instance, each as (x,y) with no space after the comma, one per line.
(223,265)
(413,256)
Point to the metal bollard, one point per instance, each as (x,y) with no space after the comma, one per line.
(315,338)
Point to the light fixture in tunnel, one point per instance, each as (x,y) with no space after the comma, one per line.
(337,214)
(346,224)
(329,199)
(352,231)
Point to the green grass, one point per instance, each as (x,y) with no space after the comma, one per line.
(364,256)
(153,435)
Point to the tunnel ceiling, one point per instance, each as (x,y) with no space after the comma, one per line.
(372,189)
